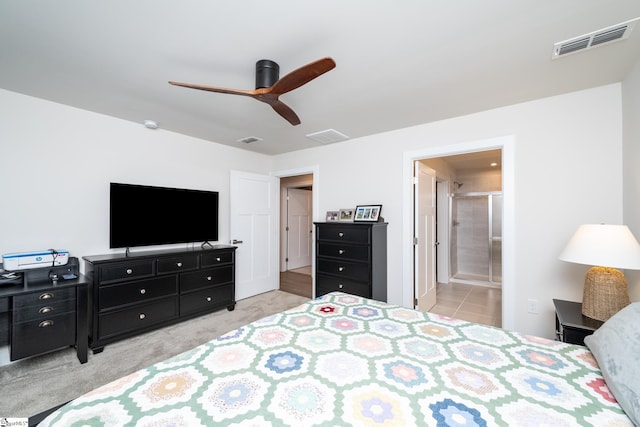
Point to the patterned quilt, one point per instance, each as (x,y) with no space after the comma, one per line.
(342,360)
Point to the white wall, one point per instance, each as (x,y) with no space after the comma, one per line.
(567,172)
(57,163)
(631,159)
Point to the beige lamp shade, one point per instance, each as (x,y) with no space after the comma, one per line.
(607,248)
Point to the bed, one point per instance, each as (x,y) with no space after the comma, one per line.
(343,360)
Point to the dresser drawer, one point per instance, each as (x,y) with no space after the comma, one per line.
(216,258)
(205,278)
(344,233)
(138,317)
(177,264)
(139,291)
(205,299)
(43,335)
(326,284)
(47,297)
(43,310)
(344,269)
(344,251)
(118,272)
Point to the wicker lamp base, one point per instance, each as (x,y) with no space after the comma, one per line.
(605,293)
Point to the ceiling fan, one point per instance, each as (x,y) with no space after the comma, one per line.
(269,87)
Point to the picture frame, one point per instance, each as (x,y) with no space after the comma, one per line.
(346,215)
(367,213)
(332,216)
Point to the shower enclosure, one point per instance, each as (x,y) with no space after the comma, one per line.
(476,238)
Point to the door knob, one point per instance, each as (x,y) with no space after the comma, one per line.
(235,242)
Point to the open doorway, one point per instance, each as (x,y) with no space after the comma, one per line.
(296,238)
(467,256)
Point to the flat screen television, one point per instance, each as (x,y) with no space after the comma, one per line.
(142,215)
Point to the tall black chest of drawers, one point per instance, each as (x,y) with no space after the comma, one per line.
(352,258)
(129,295)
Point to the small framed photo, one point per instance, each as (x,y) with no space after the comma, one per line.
(368,213)
(332,215)
(346,214)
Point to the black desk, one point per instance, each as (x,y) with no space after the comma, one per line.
(571,325)
(30,318)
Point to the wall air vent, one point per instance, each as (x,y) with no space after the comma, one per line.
(250,139)
(327,136)
(594,39)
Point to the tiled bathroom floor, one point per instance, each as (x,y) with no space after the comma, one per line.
(469,302)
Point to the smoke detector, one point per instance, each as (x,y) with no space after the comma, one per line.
(150,124)
(594,39)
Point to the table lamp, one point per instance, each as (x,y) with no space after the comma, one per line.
(606,247)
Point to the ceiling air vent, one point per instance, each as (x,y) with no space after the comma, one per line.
(594,39)
(250,139)
(328,136)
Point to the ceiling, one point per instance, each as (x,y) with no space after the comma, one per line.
(399,64)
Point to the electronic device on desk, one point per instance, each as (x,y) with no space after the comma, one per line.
(35,259)
(54,273)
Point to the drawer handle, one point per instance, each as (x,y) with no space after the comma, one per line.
(179,264)
(209,278)
(129,271)
(341,234)
(143,291)
(218,259)
(45,323)
(340,268)
(46,296)
(340,251)
(142,316)
(44,310)
(209,299)
(340,286)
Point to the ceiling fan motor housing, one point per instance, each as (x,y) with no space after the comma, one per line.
(267,73)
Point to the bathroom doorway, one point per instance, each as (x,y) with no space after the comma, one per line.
(469,236)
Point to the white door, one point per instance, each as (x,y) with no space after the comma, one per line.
(298,228)
(253,212)
(425,233)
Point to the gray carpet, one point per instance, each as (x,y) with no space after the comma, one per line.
(33,385)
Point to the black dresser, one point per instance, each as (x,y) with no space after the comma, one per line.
(129,295)
(352,258)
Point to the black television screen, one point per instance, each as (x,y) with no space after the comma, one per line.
(144,215)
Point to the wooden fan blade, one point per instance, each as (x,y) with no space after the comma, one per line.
(286,112)
(302,75)
(252,93)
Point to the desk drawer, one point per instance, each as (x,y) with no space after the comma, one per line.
(205,299)
(139,317)
(343,269)
(139,291)
(205,278)
(44,310)
(43,335)
(45,297)
(176,264)
(121,271)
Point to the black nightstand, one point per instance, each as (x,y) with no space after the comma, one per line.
(571,325)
